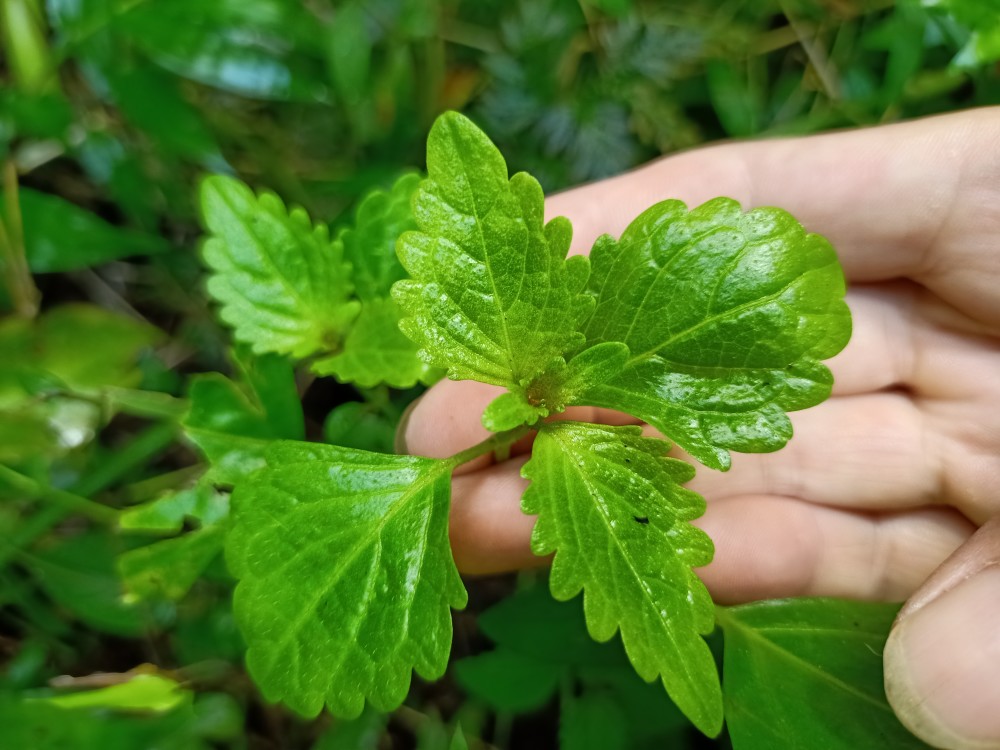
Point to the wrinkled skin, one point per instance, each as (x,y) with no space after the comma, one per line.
(899,468)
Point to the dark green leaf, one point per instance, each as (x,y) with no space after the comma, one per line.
(610,505)
(346,575)
(726,316)
(358,425)
(362,733)
(266,49)
(508,681)
(79,574)
(152,101)
(60,236)
(592,722)
(791,665)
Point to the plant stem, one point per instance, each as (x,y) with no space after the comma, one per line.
(138,452)
(67,502)
(499,442)
(13,262)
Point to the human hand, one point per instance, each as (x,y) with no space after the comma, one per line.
(898,469)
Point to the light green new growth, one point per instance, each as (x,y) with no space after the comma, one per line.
(346,575)
(611,506)
(375,350)
(492,296)
(287,288)
(283,284)
(709,324)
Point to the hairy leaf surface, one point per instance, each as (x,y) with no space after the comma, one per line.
(493,297)
(726,315)
(346,575)
(283,284)
(610,505)
(792,664)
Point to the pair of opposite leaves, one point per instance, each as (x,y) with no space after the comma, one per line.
(709,324)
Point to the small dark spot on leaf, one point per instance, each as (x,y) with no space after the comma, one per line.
(641,519)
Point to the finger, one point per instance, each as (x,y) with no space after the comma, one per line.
(869,452)
(489,533)
(772,547)
(888,213)
(766,546)
(943,656)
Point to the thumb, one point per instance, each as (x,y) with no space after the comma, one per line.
(942,659)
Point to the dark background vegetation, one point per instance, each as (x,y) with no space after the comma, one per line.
(110,110)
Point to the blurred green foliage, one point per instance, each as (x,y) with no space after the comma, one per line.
(111,110)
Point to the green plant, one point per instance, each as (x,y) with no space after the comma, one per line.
(709,324)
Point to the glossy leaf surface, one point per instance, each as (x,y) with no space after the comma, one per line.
(726,315)
(611,506)
(283,283)
(793,665)
(493,297)
(346,575)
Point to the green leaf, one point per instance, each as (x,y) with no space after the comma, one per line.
(726,315)
(362,733)
(592,722)
(541,644)
(61,236)
(253,48)
(152,101)
(508,681)
(79,574)
(346,575)
(39,725)
(167,514)
(493,297)
(233,423)
(376,351)
(283,284)
(359,425)
(169,568)
(370,242)
(792,664)
(610,505)
(143,692)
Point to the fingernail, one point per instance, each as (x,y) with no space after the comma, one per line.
(399,444)
(942,664)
